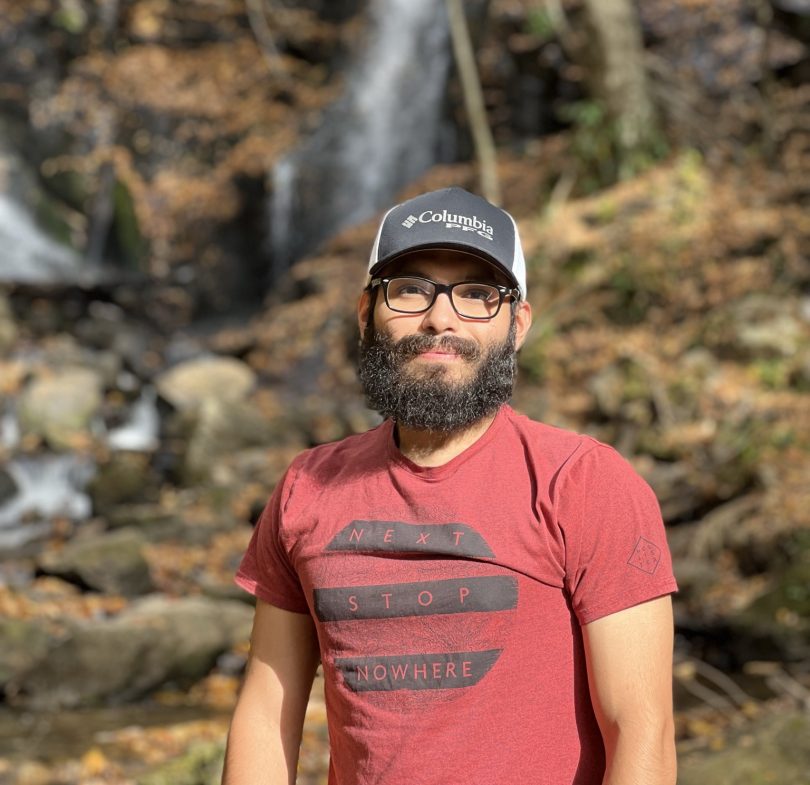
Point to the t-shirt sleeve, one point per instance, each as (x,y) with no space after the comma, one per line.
(266,570)
(616,553)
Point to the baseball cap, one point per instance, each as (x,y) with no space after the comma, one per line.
(452,219)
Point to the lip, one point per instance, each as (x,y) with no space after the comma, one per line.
(441,356)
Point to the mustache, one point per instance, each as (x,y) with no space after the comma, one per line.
(412,345)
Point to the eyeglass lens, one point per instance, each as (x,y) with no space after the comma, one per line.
(413,295)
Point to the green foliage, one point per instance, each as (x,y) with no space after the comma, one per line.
(70,17)
(595,145)
(131,243)
(200,765)
(533,359)
(635,289)
(773,373)
(540,23)
(54,217)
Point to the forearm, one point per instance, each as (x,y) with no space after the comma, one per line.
(642,755)
(259,752)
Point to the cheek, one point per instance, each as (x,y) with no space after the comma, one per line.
(395,325)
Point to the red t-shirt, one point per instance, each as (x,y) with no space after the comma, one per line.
(448,600)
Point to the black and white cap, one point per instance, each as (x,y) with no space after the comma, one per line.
(452,219)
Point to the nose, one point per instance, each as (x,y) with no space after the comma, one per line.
(441,316)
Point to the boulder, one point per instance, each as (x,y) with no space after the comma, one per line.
(187,385)
(25,643)
(126,477)
(155,641)
(224,427)
(60,407)
(151,520)
(112,563)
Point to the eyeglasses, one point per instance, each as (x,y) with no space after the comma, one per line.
(470,300)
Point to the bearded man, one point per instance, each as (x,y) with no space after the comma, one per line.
(489,596)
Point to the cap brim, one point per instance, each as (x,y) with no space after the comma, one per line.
(467,250)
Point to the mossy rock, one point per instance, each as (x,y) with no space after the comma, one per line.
(200,765)
(111,562)
(772,751)
(25,643)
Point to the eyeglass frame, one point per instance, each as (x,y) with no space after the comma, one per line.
(445,288)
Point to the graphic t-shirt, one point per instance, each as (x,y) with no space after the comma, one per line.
(448,601)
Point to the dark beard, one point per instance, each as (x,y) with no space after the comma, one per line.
(426,400)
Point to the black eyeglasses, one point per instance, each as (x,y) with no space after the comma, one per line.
(470,299)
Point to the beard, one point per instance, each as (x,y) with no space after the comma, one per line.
(426,398)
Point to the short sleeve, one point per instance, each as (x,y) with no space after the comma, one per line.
(616,553)
(265,570)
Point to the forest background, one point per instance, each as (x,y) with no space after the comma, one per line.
(188,193)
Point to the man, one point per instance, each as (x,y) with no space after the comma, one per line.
(489,596)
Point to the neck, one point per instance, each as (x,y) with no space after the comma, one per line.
(435,448)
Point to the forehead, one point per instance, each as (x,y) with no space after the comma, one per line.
(445,266)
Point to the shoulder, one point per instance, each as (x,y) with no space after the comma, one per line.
(558,445)
(573,457)
(337,463)
(358,447)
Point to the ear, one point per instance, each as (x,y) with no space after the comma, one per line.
(363,310)
(523,321)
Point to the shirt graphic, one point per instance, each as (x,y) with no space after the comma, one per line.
(415,670)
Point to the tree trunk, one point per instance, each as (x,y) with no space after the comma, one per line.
(620,76)
(474,102)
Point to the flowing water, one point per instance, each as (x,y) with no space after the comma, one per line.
(48,486)
(383,133)
(28,255)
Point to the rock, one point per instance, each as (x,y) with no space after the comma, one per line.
(8,488)
(63,351)
(112,563)
(151,520)
(25,644)
(187,385)
(224,427)
(125,477)
(200,765)
(61,407)
(155,641)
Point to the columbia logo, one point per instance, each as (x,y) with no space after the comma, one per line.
(410,221)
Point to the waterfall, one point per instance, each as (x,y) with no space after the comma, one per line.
(28,254)
(48,486)
(281,213)
(382,134)
(141,431)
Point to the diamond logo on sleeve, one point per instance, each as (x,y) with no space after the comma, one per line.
(645,556)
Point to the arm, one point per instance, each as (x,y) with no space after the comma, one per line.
(268,720)
(629,658)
